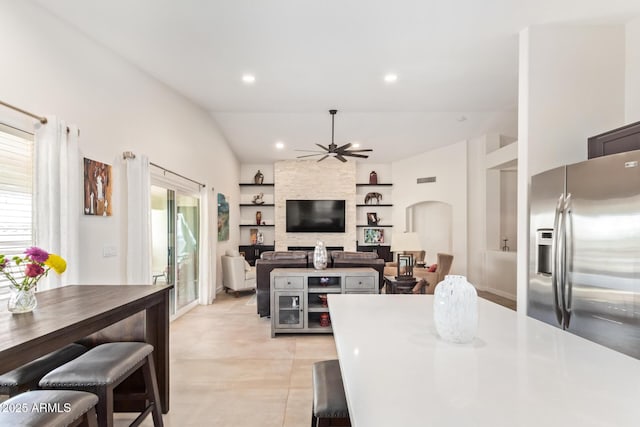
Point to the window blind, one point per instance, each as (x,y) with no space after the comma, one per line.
(16,195)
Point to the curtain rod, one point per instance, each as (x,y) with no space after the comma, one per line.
(177,174)
(131,155)
(41,119)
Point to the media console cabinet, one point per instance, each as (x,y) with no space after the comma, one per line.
(297,296)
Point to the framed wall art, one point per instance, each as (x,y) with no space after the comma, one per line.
(373,236)
(97,188)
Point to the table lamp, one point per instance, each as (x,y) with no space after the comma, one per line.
(405,242)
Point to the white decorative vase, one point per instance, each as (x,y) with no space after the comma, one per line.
(455,309)
(21,301)
(320,256)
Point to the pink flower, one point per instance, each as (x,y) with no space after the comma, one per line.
(37,254)
(33,270)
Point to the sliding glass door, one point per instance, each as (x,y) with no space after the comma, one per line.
(175,234)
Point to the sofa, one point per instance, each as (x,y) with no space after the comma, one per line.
(304,259)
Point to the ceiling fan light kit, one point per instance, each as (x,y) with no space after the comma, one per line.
(338,152)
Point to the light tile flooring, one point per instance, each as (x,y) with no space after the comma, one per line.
(227,371)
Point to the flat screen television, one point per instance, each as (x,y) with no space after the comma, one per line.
(315,216)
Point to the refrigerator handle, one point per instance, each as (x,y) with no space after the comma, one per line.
(567,285)
(555,264)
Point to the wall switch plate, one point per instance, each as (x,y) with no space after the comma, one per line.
(109,251)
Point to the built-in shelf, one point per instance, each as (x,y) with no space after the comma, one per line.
(360,205)
(253,205)
(374,226)
(256,225)
(256,185)
(374,185)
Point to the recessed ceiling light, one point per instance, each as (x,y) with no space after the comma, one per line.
(279,145)
(356,145)
(248,78)
(391,78)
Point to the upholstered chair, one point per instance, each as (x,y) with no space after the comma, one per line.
(237,274)
(432,278)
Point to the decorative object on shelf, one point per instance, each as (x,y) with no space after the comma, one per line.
(402,245)
(373,178)
(372,195)
(372,218)
(223,218)
(258,217)
(258,199)
(320,256)
(23,281)
(339,152)
(253,235)
(505,248)
(373,236)
(325,320)
(260,238)
(455,309)
(258,178)
(97,188)
(323,299)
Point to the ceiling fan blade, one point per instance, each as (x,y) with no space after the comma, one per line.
(311,151)
(309,155)
(344,147)
(339,157)
(323,147)
(350,154)
(361,150)
(323,157)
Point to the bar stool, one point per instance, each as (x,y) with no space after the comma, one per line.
(329,400)
(27,376)
(103,368)
(46,408)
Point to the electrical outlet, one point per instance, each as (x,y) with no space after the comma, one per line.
(109,251)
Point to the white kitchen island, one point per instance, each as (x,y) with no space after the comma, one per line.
(517,372)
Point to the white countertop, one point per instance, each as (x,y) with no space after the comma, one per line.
(517,372)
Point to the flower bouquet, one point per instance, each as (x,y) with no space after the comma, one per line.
(24,274)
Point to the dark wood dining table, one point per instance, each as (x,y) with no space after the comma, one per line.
(69,313)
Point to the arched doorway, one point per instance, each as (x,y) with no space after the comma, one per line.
(433,221)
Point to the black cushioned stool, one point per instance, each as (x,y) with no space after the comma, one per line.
(26,377)
(101,369)
(329,400)
(50,408)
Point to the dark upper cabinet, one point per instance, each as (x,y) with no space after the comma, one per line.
(626,138)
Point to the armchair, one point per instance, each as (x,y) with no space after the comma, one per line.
(237,274)
(428,279)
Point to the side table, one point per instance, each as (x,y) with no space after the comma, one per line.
(394,286)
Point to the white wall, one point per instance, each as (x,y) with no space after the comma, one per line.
(49,68)
(433,221)
(571,86)
(632,104)
(449,165)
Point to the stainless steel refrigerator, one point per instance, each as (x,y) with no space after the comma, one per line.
(584,268)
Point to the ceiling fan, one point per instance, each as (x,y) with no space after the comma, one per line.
(338,152)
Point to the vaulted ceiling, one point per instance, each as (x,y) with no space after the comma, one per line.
(456,64)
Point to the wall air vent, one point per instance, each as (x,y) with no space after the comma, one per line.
(427,179)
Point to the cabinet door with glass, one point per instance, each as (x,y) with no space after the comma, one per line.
(289,309)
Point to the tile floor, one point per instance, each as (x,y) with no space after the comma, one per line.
(227,371)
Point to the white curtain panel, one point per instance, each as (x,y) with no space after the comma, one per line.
(138,221)
(207,257)
(58,206)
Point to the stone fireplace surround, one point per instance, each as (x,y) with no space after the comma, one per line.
(309,179)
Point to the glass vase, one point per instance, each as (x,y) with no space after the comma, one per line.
(455,309)
(21,301)
(320,256)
